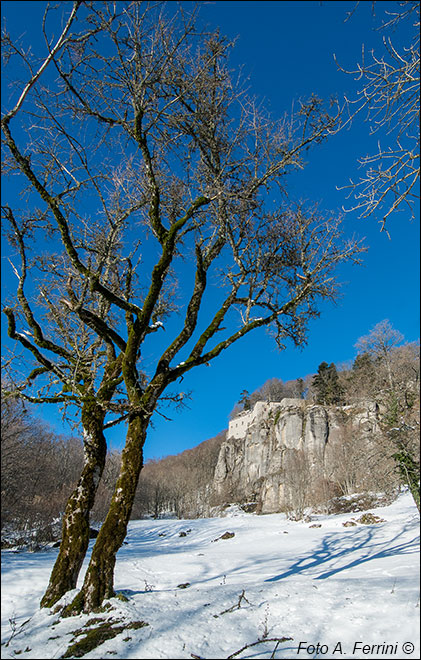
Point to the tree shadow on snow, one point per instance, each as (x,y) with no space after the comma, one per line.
(347,551)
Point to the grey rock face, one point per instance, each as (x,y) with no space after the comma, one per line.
(282,448)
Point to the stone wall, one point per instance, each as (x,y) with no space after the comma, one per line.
(237,427)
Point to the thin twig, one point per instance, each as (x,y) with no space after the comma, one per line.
(278,641)
(238,606)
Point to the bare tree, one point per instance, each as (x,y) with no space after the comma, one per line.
(395,386)
(389,97)
(297,481)
(186,494)
(38,472)
(146,165)
(379,345)
(356,460)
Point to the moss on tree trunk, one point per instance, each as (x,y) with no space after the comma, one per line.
(99,579)
(409,469)
(75,528)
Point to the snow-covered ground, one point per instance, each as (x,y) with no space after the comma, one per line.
(334,590)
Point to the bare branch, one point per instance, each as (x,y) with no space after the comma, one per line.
(389,96)
(60,42)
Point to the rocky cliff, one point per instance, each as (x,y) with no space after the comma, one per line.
(288,455)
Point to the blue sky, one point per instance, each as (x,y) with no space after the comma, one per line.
(287,49)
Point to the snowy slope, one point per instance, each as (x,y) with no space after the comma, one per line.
(339,587)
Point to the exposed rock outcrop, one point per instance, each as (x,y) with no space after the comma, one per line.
(281,455)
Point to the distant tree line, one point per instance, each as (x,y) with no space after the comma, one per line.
(188,491)
(273,390)
(40,469)
(383,365)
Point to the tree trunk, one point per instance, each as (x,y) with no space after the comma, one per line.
(410,472)
(99,579)
(75,529)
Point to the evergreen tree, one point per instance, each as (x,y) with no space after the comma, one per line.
(301,388)
(327,386)
(363,377)
(245,400)
(363,363)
